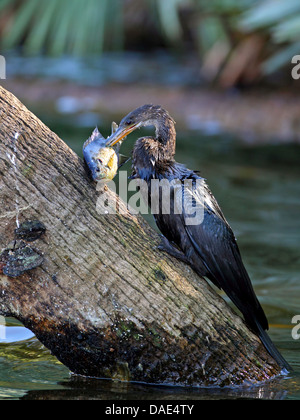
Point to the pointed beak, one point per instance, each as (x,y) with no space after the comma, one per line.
(119,135)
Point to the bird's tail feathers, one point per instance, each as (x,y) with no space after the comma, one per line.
(272,350)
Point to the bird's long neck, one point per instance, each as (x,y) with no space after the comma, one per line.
(166,136)
(153,157)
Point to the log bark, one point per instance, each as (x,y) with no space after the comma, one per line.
(102,297)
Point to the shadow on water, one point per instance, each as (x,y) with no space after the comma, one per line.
(258,189)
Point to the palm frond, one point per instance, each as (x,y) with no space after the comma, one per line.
(62,26)
(281,20)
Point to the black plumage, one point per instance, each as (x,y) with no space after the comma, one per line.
(209,246)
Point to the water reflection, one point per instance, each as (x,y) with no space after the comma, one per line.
(87,388)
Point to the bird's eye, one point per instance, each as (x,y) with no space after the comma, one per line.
(128,122)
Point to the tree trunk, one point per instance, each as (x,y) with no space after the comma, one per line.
(93,287)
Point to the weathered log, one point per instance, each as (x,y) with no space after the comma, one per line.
(102,297)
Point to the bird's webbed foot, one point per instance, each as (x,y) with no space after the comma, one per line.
(171,249)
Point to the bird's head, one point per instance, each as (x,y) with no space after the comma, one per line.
(146,115)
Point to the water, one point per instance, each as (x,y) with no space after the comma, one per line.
(259,191)
(158,68)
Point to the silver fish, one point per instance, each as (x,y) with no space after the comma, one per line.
(103,161)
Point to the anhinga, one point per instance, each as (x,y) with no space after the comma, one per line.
(210,246)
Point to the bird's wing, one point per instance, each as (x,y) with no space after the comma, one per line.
(214,242)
